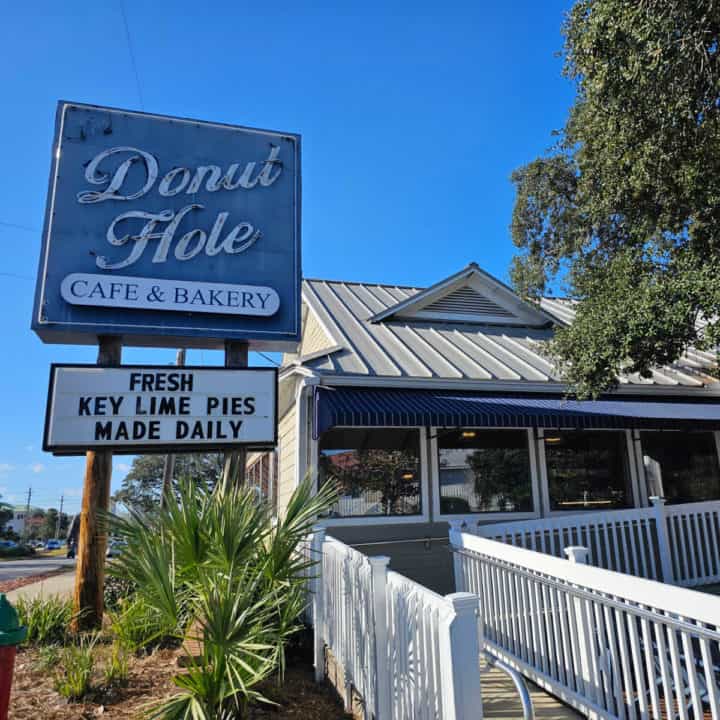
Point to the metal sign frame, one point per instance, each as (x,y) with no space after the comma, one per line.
(57,321)
(136,449)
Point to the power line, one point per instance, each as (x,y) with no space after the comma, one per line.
(132,54)
(268,358)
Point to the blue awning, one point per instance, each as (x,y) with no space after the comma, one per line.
(368,407)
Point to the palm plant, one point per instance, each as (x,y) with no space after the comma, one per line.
(222,575)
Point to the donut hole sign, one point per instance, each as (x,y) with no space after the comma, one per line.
(169,232)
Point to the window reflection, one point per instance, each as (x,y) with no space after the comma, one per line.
(682,466)
(587,470)
(484,471)
(376,472)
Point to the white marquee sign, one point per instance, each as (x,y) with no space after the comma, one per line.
(156,408)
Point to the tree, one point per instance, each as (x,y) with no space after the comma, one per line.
(6,515)
(50,525)
(625,209)
(142,486)
(499,478)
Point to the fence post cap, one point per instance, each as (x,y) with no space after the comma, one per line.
(576,553)
(379,560)
(657,501)
(457,525)
(463,602)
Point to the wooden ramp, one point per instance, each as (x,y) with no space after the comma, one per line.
(500,700)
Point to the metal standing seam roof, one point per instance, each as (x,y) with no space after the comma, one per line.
(406,347)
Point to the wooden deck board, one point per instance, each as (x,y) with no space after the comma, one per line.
(500,700)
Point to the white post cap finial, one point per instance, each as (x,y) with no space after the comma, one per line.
(577,554)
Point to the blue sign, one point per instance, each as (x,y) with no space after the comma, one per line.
(169,232)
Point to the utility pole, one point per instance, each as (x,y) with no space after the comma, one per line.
(169,466)
(26,526)
(59,520)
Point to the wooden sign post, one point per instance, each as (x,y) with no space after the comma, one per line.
(92,542)
(236,356)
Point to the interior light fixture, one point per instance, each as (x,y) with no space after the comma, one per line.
(408,476)
(553,439)
(468,434)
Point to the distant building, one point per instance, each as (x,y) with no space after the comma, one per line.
(22,519)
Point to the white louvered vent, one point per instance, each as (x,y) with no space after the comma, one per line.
(467,301)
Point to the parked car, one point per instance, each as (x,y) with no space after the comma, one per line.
(8,544)
(115,547)
(53,545)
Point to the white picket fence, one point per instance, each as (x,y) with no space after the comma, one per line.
(409,653)
(677,544)
(610,645)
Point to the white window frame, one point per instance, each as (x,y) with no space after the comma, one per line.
(483,517)
(643,493)
(636,497)
(359,520)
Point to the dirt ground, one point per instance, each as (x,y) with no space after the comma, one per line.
(150,682)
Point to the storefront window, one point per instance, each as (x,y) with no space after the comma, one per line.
(376,471)
(681,466)
(484,471)
(587,470)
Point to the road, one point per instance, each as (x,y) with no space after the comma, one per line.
(12,569)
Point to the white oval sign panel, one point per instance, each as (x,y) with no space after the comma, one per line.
(93,289)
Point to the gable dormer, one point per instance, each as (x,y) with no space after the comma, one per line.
(470,296)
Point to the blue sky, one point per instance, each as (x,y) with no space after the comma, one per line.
(413,116)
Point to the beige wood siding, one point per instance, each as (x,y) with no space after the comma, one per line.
(314,338)
(287,449)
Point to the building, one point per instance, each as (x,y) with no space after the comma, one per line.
(425,405)
(23,521)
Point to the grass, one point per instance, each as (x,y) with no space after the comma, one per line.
(117,667)
(48,657)
(47,618)
(72,679)
(59,553)
(20,553)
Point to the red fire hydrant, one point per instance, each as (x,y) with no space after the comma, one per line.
(11,634)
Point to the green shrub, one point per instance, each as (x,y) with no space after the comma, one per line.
(118,591)
(48,658)
(137,625)
(215,561)
(74,672)
(20,551)
(117,667)
(46,618)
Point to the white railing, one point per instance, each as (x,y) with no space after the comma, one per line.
(344,616)
(610,645)
(677,544)
(693,542)
(406,651)
(369,503)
